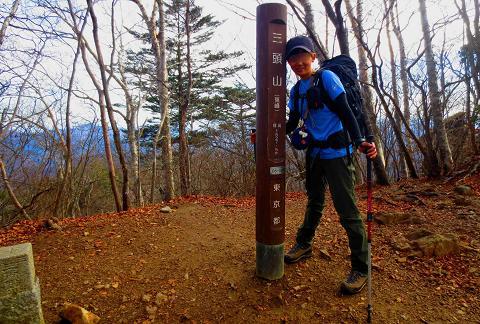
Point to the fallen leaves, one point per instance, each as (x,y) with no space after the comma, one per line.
(201,263)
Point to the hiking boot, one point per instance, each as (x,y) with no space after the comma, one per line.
(298,252)
(354,282)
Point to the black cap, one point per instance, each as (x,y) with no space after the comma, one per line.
(298,43)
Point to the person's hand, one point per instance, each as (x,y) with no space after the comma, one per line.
(369,149)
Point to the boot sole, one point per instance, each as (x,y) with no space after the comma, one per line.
(303,256)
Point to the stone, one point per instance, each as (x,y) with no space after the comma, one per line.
(146,298)
(400,243)
(390,218)
(151,310)
(78,315)
(406,198)
(417,234)
(20,300)
(52,224)
(437,244)
(464,190)
(444,205)
(160,298)
(325,255)
(166,210)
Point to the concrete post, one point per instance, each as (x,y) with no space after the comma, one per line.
(19,287)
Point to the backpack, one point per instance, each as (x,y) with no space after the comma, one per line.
(346,70)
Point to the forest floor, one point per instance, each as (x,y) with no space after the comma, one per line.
(197,264)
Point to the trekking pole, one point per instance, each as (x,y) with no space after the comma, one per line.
(369,233)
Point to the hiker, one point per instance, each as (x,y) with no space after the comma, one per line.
(328,160)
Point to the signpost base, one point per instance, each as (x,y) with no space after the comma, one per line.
(270,263)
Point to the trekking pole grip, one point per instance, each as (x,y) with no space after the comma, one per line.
(370,138)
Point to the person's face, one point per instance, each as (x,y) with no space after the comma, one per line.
(301,64)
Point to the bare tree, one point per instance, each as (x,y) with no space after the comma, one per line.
(393,71)
(430,161)
(131,119)
(472,64)
(368,109)
(65,189)
(106,93)
(10,191)
(7,121)
(101,103)
(445,155)
(7,20)
(403,68)
(157,38)
(308,22)
(378,86)
(336,18)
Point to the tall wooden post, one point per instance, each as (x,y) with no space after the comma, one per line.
(270,140)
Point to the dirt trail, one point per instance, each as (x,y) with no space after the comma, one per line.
(197,264)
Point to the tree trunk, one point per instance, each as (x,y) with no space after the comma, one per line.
(381,94)
(157,39)
(167,156)
(368,109)
(185,103)
(337,20)
(445,154)
(430,158)
(309,24)
(6,21)
(10,191)
(376,77)
(468,112)
(153,180)
(473,42)
(402,170)
(472,68)
(103,118)
(134,157)
(403,70)
(65,188)
(131,119)
(113,123)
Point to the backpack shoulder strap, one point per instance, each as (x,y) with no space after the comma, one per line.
(318,82)
(296,98)
(296,95)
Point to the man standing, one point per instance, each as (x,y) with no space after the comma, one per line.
(327,161)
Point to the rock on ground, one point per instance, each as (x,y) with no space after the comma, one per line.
(78,315)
